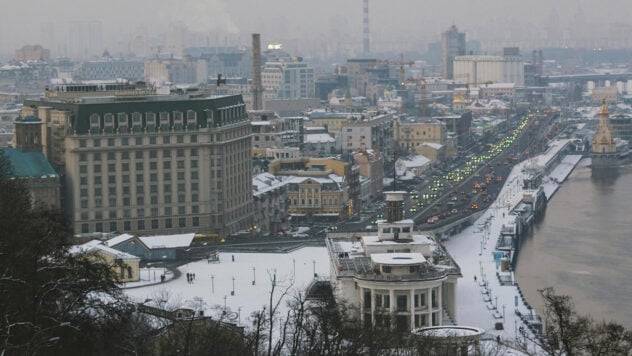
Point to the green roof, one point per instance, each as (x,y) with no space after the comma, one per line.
(29,118)
(29,164)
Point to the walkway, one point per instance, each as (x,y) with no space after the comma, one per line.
(487,297)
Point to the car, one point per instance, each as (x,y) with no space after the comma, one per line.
(454,211)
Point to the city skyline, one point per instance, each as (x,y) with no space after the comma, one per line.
(330,28)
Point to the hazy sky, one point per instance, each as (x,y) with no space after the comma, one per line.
(394,23)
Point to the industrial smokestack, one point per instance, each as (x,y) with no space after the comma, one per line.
(366,45)
(257,88)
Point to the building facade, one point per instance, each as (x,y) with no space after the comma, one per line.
(398,278)
(368,131)
(148,164)
(110,70)
(288,80)
(271,204)
(371,166)
(452,45)
(480,70)
(413,134)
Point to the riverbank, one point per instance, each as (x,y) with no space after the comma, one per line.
(489,298)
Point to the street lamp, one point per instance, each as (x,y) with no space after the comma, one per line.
(254,278)
(233,291)
(314,265)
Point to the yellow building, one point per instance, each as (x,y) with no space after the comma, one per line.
(124,265)
(412,135)
(320,186)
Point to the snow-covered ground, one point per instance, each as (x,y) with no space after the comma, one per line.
(213,282)
(481,303)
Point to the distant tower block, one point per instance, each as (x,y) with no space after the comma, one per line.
(366,48)
(257,87)
(394,208)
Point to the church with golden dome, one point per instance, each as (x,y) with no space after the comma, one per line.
(604,148)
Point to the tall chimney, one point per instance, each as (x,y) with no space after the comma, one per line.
(257,89)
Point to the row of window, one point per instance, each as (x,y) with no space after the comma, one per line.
(138,141)
(126,201)
(125,155)
(140,166)
(139,225)
(140,178)
(383,300)
(315,202)
(140,212)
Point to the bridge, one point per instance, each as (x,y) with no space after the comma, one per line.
(582,78)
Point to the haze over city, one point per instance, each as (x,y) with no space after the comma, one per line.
(311,28)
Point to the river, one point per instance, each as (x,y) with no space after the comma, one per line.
(583,247)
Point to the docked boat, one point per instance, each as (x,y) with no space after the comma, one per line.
(623,148)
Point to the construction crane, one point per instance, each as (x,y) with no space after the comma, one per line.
(467,85)
(422,84)
(402,71)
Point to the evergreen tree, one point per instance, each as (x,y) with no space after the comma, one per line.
(51,301)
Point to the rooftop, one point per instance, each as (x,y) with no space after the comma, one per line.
(29,164)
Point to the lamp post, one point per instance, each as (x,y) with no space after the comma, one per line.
(293,268)
(233,291)
(314,265)
(254,277)
(503,313)
(213,284)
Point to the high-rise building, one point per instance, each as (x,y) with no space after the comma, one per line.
(452,45)
(143,163)
(288,80)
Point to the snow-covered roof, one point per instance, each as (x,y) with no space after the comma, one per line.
(319,137)
(415,161)
(265,182)
(115,253)
(433,145)
(118,239)
(417,240)
(403,259)
(93,245)
(167,241)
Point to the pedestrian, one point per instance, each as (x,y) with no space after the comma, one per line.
(233,258)
(474,278)
(193,276)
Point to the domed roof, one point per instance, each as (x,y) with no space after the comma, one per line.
(458,99)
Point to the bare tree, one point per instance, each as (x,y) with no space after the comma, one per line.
(566,332)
